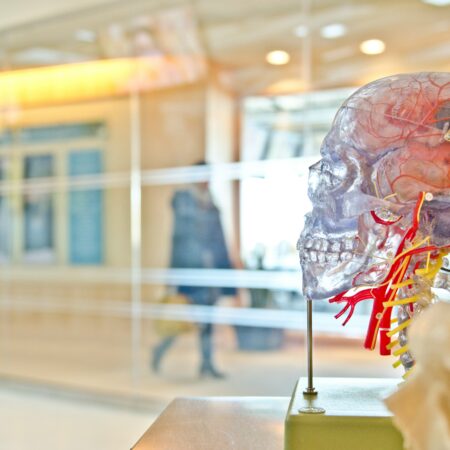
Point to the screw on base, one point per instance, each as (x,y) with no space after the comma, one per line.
(310,391)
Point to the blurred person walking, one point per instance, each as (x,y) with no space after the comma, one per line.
(198,242)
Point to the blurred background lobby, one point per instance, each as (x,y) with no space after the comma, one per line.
(106,108)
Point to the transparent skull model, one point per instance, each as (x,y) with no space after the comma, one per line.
(380,224)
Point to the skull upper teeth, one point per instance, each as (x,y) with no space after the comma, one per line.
(335,247)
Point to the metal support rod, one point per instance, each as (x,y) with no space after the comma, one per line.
(310,390)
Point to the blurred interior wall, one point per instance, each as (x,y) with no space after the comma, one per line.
(222,114)
(173,134)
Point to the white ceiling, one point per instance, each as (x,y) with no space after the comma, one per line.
(236,34)
(19,12)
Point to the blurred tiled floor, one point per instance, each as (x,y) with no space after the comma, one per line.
(96,354)
(40,421)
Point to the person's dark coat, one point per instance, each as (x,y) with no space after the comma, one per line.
(198,242)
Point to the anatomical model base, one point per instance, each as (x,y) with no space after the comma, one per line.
(355,417)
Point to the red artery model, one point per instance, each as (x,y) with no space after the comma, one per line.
(384,295)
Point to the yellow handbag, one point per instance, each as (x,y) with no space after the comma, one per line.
(168,327)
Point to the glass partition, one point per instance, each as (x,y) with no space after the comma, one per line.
(129,267)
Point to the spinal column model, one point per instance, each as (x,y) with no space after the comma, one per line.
(380,224)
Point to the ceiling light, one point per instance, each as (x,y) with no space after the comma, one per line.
(333,31)
(437,2)
(85,35)
(301,31)
(372,47)
(278,57)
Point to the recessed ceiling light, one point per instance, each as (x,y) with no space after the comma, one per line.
(301,31)
(85,35)
(278,57)
(333,30)
(437,2)
(372,46)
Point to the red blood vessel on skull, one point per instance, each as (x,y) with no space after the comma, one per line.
(380,224)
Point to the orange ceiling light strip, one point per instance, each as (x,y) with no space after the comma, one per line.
(95,80)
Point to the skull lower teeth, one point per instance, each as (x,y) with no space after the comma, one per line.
(346,256)
(332,257)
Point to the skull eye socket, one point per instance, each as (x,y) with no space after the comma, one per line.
(333,175)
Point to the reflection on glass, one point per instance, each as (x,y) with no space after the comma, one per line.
(38,213)
(198,74)
(85,211)
(5,216)
(198,242)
